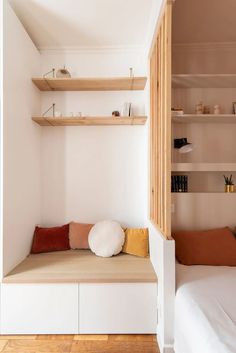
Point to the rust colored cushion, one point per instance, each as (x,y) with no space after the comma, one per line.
(136,242)
(215,247)
(78,235)
(50,239)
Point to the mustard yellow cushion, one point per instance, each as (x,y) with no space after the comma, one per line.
(136,242)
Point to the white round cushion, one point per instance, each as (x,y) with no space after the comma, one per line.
(106,238)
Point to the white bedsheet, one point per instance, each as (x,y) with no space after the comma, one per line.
(205,309)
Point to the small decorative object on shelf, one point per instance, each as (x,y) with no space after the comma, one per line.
(217,109)
(234,107)
(229,184)
(63,73)
(207,109)
(78,115)
(127,109)
(183,145)
(179,183)
(116,113)
(199,108)
(177,111)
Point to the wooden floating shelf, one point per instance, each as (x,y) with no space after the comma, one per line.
(91,84)
(204,118)
(207,192)
(204,81)
(89,121)
(203,167)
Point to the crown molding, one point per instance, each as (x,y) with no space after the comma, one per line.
(205,47)
(92,50)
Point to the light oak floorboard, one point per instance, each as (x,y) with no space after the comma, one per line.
(18,337)
(113,347)
(3,344)
(79,344)
(27,346)
(132,338)
(55,337)
(91,337)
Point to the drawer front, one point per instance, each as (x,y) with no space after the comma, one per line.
(118,308)
(39,309)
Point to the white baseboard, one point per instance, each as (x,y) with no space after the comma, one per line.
(164,348)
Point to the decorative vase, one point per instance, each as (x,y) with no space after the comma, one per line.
(229,188)
(63,73)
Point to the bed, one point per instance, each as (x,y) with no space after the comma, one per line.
(205,309)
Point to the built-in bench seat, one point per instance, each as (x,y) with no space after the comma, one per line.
(76,292)
(82,266)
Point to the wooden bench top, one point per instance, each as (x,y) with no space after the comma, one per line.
(81,266)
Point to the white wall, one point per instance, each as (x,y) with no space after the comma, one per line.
(22,185)
(94,173)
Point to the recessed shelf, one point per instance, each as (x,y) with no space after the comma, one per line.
(89,121)
(204,81)
(203,167)
(90,84)
(205,118)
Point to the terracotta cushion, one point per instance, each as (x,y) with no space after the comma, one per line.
(136,242)
(78,235)
(50,239)
(215,247)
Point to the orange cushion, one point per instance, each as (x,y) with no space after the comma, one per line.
(136,242)
(211,247)
(78,235)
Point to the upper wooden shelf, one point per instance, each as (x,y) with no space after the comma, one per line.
(91,84)
(205,118)
(91,121)
(204,81)
(203,167)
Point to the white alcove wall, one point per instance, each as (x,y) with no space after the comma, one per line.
(22,142)
(94,173)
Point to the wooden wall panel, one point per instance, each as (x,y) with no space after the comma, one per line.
(160,128)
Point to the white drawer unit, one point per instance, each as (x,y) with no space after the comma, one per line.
(39,309)
(75,292)
(118,308)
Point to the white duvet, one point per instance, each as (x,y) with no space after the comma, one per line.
(205,309)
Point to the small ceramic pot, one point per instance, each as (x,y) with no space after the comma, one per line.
(229,188)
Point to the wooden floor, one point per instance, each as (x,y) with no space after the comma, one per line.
(79,344)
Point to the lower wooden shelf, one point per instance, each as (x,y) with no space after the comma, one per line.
(89,121)
(204,193)
(205,118)
(203,167)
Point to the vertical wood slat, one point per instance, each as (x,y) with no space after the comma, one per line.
(160,148)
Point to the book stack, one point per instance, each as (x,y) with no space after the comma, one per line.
(179,183)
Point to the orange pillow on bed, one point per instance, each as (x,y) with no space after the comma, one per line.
(78,235)
(215,247)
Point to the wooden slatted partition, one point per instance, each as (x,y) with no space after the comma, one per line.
(160,126)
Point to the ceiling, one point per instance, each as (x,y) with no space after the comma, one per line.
(196,21)
(85,23)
